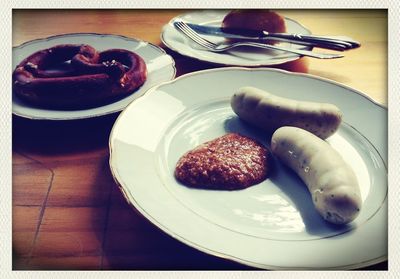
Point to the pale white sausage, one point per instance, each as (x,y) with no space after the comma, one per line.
(269,112)
(331,181)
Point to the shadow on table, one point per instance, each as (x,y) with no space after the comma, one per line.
(61,137)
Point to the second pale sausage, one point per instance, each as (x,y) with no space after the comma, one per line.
(331,181)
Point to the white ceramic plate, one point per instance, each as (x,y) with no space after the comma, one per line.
(160,66)
(272,225)
(249,57)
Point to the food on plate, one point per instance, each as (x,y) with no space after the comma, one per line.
(269,112)
(259,20)
(73,76)
(331,181)
(229,162)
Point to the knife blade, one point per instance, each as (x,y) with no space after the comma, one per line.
(329,42)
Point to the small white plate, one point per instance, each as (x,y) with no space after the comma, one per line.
(272,225)
(249,57)
(160,67)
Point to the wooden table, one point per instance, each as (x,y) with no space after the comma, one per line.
(68,212)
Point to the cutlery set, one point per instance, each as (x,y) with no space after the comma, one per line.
(259,39)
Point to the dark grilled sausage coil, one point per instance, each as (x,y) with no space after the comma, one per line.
(77,76)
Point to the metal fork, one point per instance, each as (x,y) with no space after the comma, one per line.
(191,34)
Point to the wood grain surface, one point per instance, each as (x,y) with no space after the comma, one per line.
(67,210)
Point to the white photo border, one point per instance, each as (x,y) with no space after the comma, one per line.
(393,8)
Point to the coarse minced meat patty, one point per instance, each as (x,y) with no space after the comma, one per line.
(229,162)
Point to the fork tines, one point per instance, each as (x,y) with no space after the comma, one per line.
(191,34)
